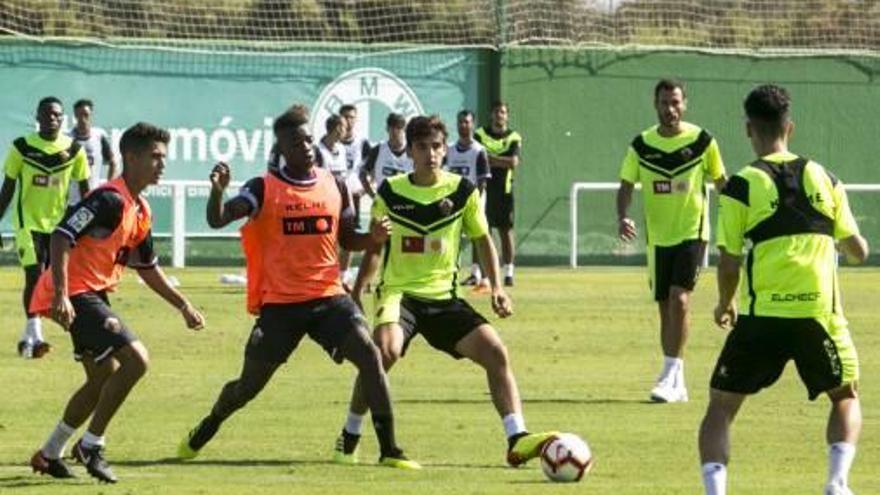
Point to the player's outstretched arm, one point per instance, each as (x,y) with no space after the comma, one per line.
(855,248)
(501,303)
(728,280)
(59,253)
(156,281)
(351,240)
(219,214)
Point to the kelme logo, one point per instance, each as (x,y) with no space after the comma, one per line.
(374,92)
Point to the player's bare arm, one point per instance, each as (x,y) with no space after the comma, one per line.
(219,214)
(854,248)
(83,187)
(366,273)
(155,279)
(62,309)
(351,240)
(6,194)
(501,302)
(720,182)
(728,280)
(510,162)
(626,228)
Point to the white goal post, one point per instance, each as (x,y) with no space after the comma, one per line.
(577,187)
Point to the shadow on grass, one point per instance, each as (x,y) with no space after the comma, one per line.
(171,461)
(9,482)
(555,400)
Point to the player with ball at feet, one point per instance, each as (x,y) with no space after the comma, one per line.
(430,209)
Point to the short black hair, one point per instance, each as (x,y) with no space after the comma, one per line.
(667,84)
(464,113)
(395,120)
(83,102)
(424,126)
(347,108)
(496,104)
(292,118)
(767,108)
(141,136)
(48,100)
(332,121)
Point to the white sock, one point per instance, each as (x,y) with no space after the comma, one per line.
(354,423)
(840,459)
(508,270)
(476,272)
(670,368)
(514,423)
(715,478)
(90,440)
(679,375)
(26,333)
(35,326)
(54,446)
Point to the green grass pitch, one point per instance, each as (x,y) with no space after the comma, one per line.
(584,346)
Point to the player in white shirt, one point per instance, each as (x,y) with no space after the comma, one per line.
(331,152)
(388,158)
(468,158)
(96,145)
(356,149)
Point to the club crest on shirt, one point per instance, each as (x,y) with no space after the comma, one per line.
(687,153)
(446,206)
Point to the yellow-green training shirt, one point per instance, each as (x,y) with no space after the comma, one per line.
(43,170)
(673,171)
(421,256)
(785,213)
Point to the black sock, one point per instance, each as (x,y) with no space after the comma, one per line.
(384,426)
(349,442)
(205,431)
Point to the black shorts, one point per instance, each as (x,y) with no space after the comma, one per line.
(443,323)
(758,348)
(280,327)
(499,209)
(677,265)
(96,331)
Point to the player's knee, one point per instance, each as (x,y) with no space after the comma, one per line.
(679,298)
(495,356)
(135,359)
(844,392)
(370,360)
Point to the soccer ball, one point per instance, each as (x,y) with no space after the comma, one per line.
(566,457)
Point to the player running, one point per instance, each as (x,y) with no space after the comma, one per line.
(44,163)
(109,230)
(298,216)
(671,160)
(430,209)
(793,213)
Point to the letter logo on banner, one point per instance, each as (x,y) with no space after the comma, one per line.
(375,92)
